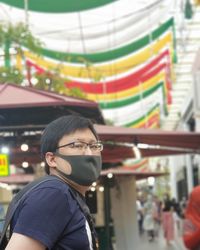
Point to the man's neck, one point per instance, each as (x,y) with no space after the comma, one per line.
(81,189)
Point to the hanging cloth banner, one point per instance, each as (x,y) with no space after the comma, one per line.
(137,165)
(135,90)
(111,54)
(126,26)
(98,87)
(130,100)
(110,69)
(133,87)
(106,88)
(58,6)
(38,69)
(152,117)
(134,111)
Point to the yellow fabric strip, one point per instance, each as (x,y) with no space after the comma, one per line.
(19,62)
(113,68)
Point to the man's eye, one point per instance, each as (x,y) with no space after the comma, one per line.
(78,145)
(72,145)
(94,146)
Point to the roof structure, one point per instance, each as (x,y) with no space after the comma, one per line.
(121,171)
(152,139)
(26,106)
(17,96)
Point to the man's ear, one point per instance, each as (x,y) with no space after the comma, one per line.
(50,159)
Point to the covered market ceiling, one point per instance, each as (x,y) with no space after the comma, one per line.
(118,53)
(122,55)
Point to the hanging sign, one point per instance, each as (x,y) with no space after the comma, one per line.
(4,165)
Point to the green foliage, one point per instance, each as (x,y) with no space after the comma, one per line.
(11,75)
(2,35)
(76,92)
(53,82)
(19,35)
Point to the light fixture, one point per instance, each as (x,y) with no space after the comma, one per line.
(101,189)
(48,81)
(24,147)
(110,175)
(34,80)
(5,150)
(93,189)
(151,181)
(94,184)
(42,164)
(25,164)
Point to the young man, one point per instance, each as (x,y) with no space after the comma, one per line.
(51,217)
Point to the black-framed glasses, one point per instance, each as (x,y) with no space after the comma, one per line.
(95,147)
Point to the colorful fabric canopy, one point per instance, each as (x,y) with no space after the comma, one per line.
(58,6)
(123,58)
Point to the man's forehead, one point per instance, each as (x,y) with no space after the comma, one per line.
(79,134)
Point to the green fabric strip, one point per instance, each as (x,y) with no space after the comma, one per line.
(111,54)
(131,100)
(175,58)
(58,6)
(142,117)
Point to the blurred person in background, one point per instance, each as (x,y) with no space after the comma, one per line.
(149,220)
(140,216)
(177,213)
(168,219)
(183,205)
(157,213)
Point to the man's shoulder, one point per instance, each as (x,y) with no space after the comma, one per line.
(52,182)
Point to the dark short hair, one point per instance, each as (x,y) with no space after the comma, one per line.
(55,130)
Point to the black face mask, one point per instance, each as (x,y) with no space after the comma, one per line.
(85,168)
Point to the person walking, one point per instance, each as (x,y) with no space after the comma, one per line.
(191,226)
(50,217)
(139,210)
(149,221)
(168,219)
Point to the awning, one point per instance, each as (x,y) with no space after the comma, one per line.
(38,107)
(30,105)
(119,141)
(120,171)
(153,142)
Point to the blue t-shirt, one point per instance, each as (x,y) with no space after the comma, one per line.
(51,215)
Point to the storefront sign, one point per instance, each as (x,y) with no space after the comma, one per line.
(4,165)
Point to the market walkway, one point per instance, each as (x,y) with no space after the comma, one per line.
(159,243)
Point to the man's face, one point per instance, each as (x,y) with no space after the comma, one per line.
(75,146)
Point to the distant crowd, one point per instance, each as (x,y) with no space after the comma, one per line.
(153,213)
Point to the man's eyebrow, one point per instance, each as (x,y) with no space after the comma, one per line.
(86,140)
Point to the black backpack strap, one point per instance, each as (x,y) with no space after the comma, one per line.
(84,208)
(16,201)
